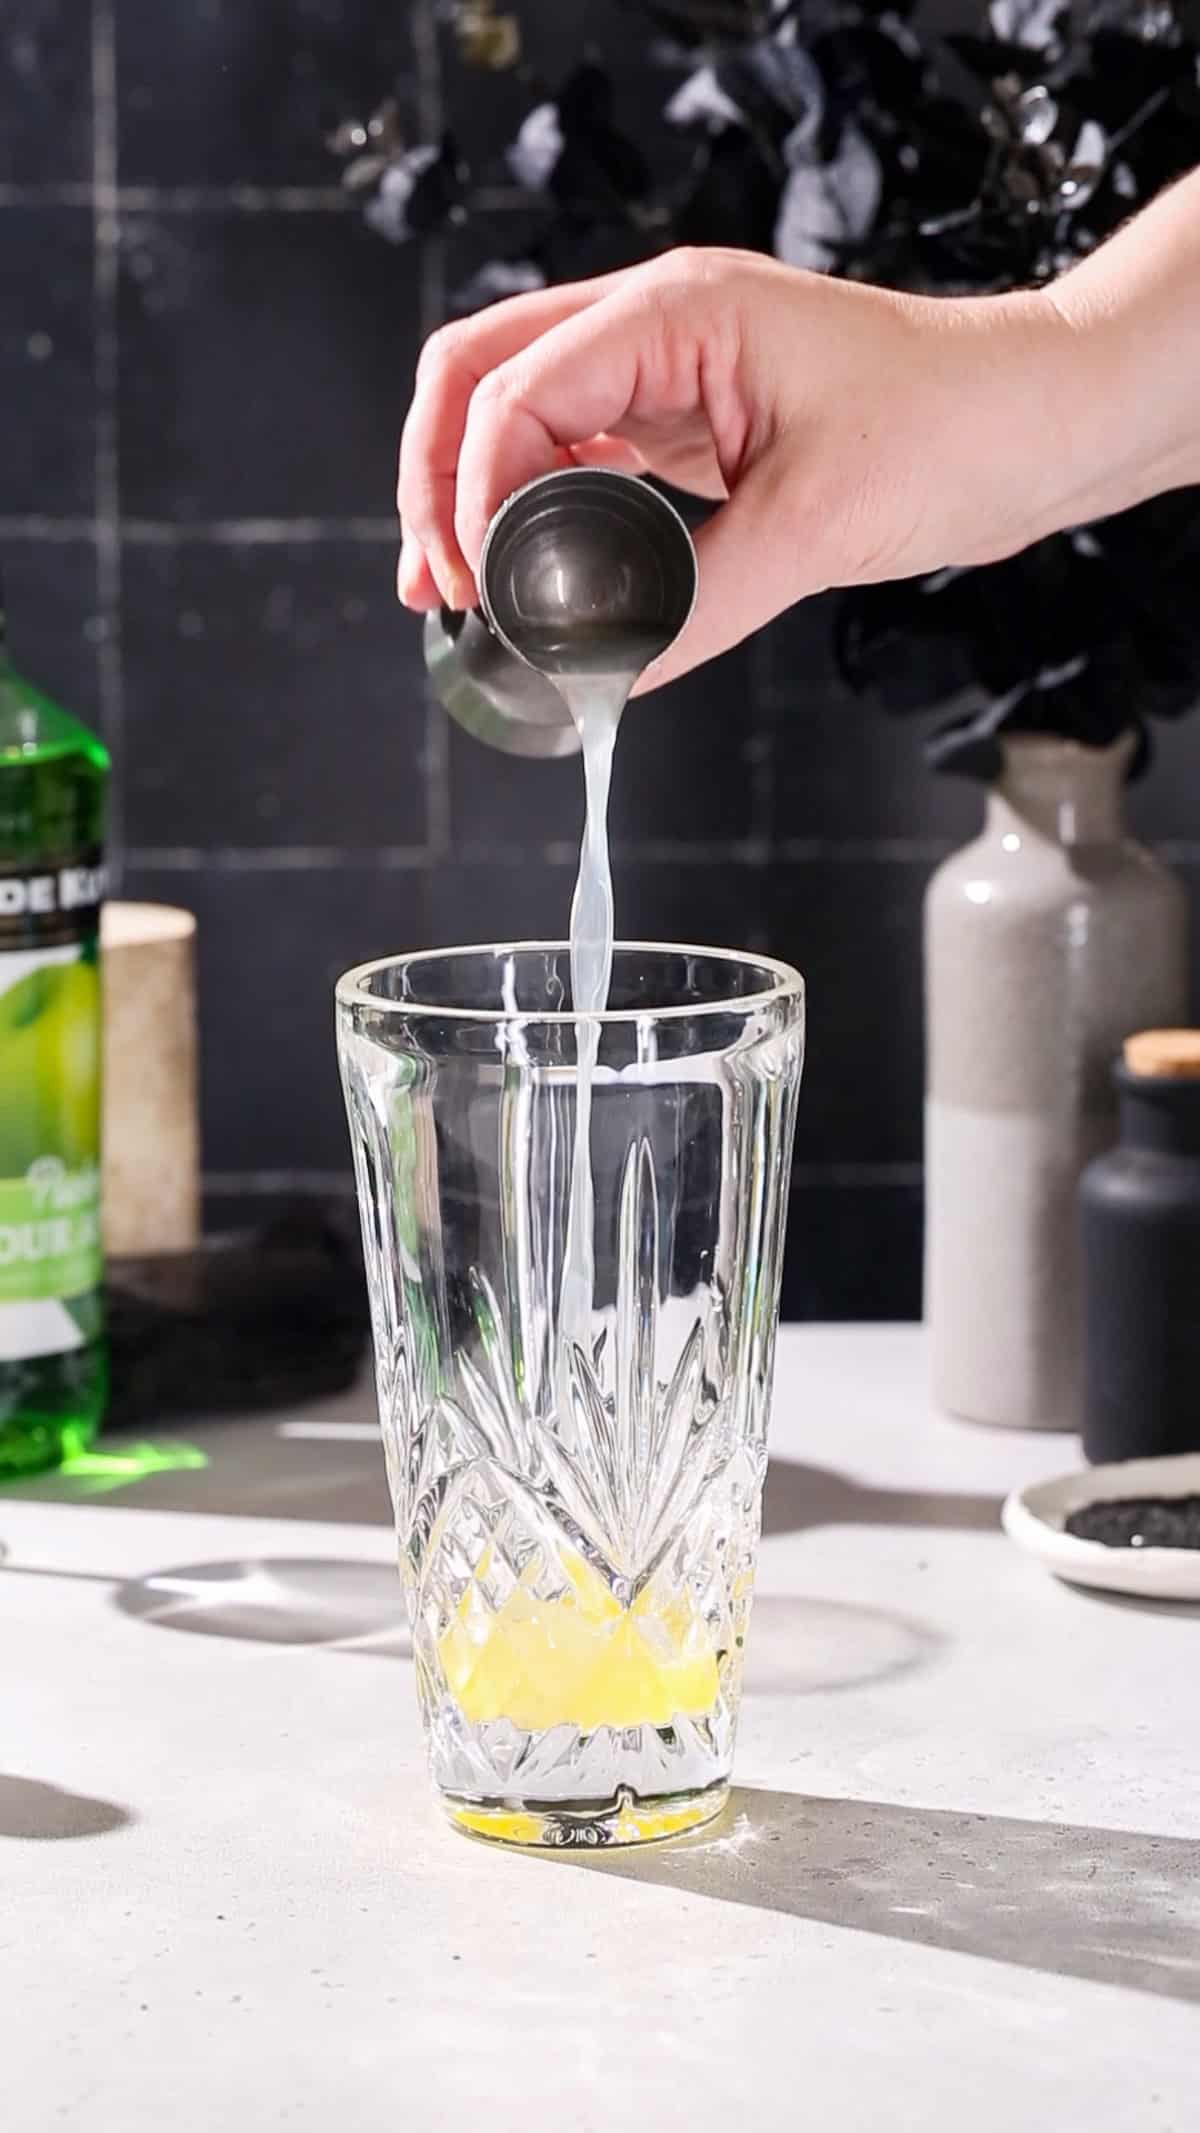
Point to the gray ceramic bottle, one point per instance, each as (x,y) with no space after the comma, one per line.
(1047,941)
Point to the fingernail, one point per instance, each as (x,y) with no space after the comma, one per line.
(463,587)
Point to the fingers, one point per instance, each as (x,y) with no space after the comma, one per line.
(452,364)
(415,582)
(578,381)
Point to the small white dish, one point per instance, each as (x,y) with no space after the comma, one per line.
(1034,1519)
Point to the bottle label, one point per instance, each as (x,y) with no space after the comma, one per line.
(51,1260)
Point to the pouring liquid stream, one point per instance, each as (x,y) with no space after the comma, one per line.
(589,604)
(594,671)
(595,702)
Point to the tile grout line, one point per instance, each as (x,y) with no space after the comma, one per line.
(107,499)
(845,1176)
(254,532)
(278,1181)
(274,858)
(430,120)
(396,858)
(188,199)
(221,532)
(856,1176)
(233,198)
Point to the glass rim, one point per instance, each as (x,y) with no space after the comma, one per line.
(352,988)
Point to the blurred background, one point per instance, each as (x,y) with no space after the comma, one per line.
(206,351)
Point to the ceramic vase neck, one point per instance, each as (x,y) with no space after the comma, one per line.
(1061,791)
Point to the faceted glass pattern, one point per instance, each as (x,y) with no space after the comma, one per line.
(577,1503)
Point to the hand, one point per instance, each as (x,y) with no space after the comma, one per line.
(854,433)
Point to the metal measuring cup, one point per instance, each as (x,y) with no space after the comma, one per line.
(582,571)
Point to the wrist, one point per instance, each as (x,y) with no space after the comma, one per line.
(1017,444)
(1131,319)
(1067,424)
(1084,410)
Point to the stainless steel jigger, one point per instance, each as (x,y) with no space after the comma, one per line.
(582,571)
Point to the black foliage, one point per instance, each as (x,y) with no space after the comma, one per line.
(982,161)
(600,173)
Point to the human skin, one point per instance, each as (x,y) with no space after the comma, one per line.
(848,434)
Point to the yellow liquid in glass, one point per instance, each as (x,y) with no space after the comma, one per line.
(579,1659)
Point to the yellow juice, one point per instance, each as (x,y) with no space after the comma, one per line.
(579,1658)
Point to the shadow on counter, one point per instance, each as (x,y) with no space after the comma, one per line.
(326,1464)
(800,1496)
(44,1813)
(1115,1907)
(801,1644)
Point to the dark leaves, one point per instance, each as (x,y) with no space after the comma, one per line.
(1038,25)
(776,87)
(827,207)
(695,22)
(732,196)
(571,149)
(1084,635)
(831,133)
(495,280)
(601,170)
(418,192)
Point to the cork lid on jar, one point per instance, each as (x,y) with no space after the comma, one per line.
(1164,1054)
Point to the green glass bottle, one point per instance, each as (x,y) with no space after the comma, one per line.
(53,1359)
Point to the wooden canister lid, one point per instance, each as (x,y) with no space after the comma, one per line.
(128,925)
(1164,1053)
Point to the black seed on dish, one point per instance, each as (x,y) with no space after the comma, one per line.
(1139,1522)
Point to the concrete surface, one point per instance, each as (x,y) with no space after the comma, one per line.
(959,1887)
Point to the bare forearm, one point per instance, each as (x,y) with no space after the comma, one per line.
(1132,311)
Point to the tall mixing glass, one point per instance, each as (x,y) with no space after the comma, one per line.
(577,1503)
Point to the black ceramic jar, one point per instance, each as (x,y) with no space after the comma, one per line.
(1140,1207)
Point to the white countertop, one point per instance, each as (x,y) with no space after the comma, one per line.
(960,1887)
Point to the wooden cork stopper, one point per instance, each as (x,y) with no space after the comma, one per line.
(150,1166)
(1164,1053)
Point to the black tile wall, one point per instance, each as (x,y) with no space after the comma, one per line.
(267,80)
(499,801)
(505,896)
(853,926)
(1188,872)
(266,362)
(54,628)
(683,773)
(204,362)
(499,901)
(45,92)
(271,945)
(710,902)
(841,764)
(47,363)
(274,694)
(854,1250)
(1165,802)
